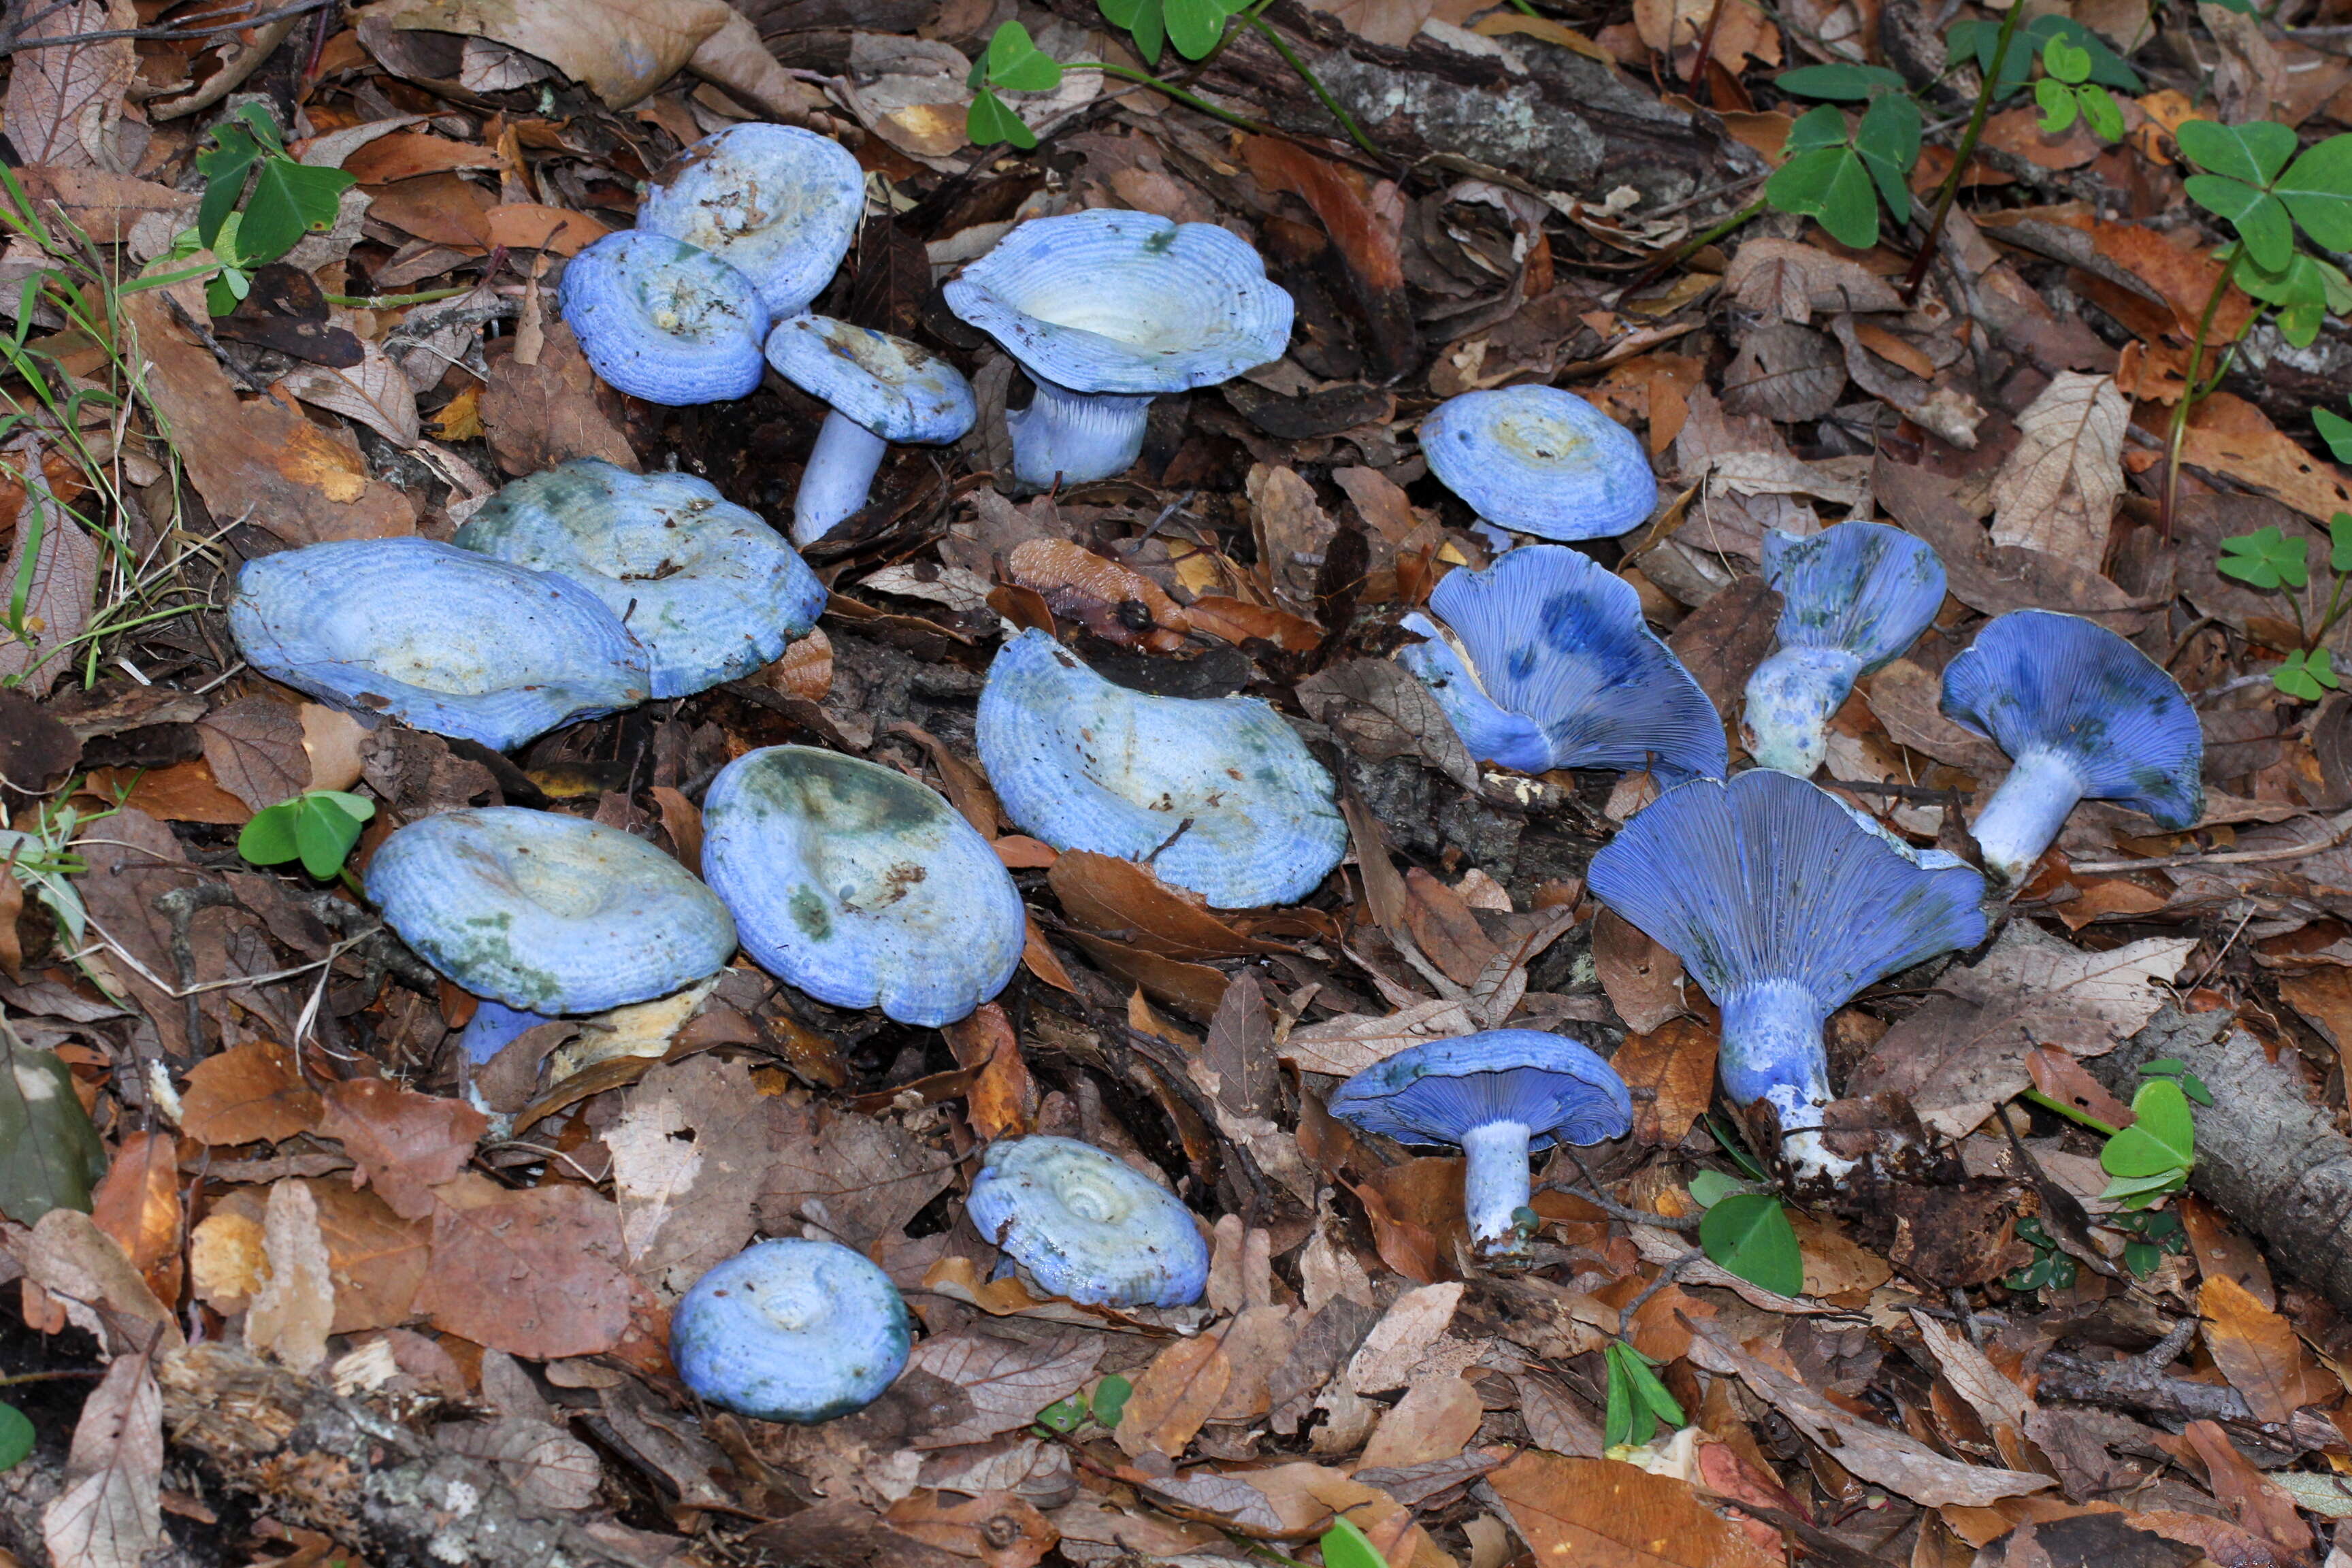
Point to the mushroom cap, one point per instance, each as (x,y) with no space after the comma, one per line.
(712,591)
(1086,764)
(778,204)
(1549,665)
(885,384)
(1861,588)
(1766,879)
(790,1330)
(1540,460)
(1087,1224)
(2035,681)
(663,321)
(1105,300)
(441,639)
(861,886)
(1439,1090)
(547,913)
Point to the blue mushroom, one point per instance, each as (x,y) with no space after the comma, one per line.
(790,1330)
(544,915)
(441,639)
(860,885)
(778,204)
(1852,597)
(1495,1095)
(1544,662)
(882,389)
(1107,310)
(1088,1226)
(1540,460)
(1217,795)
(663,321)
(2082,715)
(712,591)
(1782,902)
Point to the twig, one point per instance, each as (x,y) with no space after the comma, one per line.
(302,9)
(2228,857)
(1666,1276)
(1618,1211)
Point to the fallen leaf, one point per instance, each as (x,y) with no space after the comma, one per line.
(1600,1513)
(290,1317)
(406,1143)
(538,416)
(2258,1504)
(1433,1421)
(1644,982)
(65,101)
(1783,277)
(1671,1072)
(1381,711)
(138,1204)
(1173,1397)
(1002,1530)
(535,1273)
(546,1467)
(1121,898)
(375,1259)
(109,1514)
(57,560)
(248,1094)
(2056,492)
(1005,1381)
(1347,1045)
(1111,601)
(254,748)
(2258,1351)
(858,1178)
(375,392)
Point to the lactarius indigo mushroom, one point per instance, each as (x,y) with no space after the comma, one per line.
(778,204)
(712,591)
(1087,1225)
(790,1330)
(1107,310)
(663,321)
(861,886)
(1542,461)
(1852,597)
(2082,715)
(1217,795)
(545,915)
(1495,1095)
(882,389)
(1782,902)
(441,639)
(1543,661)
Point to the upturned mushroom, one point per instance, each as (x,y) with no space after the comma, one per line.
(1852,597)
(1497,1097)
(663,321)
(1107,310)
(1782,902)
(1218,794)
(778,204)
(790,1330)
(882,389)
(2083,715)
(1087,1225)
(1540,460)
(1543,661)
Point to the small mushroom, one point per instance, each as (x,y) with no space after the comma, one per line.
(2082,714)
(1543,661)
(663,321)
(882,389)
(712,591)
(1852,597)
(1107,309)
(790,1330)
(441,639)
(545,915)
(778,204)
(1782,902)
(1217,795)
(1494,1096)
(1088,1226)
(1542,461)
(860,885)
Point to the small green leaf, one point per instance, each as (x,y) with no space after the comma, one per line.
(2100,112)
(2318,191)
(2259,217)
(1709,1188)
(1841,80)
(2063,60)
(2339,529)
(1109,1399)
(289,200)
(269,838)
(990,120)
(1063,1414)
(50,1157)
(2305,675)
(1750,1236)
(1831,186)
(1143,21)
(1017,65)
(2253,152)
(324,832)
(1637,1400)
(1889,143)
(358,807)
(224,167)
(1822,127)
(2057,101)
(1345,1546)
(2165,1067)
(2336,431)
(2266,557)
(2141,1259)
(2162,1139)
(1194,25)
(17,1436)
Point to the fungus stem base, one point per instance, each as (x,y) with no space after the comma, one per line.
(1496,1185)
(840,474)
(494,1027)
(2025,814)
(1071,438)
(1772,1051)
(1791,699)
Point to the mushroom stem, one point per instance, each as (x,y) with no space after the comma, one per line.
(1071,438)
(840,473)
(495,1027)
(2026,813)
(1772,1051)
(1496,1185)
(1791,699)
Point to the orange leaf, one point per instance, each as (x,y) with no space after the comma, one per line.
(1113,603)
(250,1094)
(2257,1351)
(138,1204)
(1671,1072)
(1599,1513)
(1173,1397)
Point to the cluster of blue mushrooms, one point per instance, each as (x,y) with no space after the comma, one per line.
(1087,1225)
(790,1330)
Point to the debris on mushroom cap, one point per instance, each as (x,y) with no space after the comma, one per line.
(1218,794)
(712,591)
(1782,905)
(1544,662)
(663,321)
(1852,597)
(1540,460)
(2082,714)
(885,384)
(547,913)
(1088,1226)
(779,204)
(445,639)
(861,886)
(792,1330)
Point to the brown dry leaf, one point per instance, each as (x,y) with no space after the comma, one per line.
(536,1273)
(1116,603)
(2258,1351)
(1002,1100)
(1006,1382)
(69,1257)
(375,1259)
(1002,1530)
(290,1317)
(1353,1041)
(1998,1402)
(1790,280)
(404,154)
(1293,529)
(1365,219)
(109,1514)
(526,225)
(1671,1072)
(2056,492)
(546,1467)
(1906,701)
(138,1204)
(375,392)
(1670,27)
(858,1178)
(540,414)
(1123,898)
(1381,711)
(1389,23)
(62,561)
(1996,578)
(2229,436)
(1600,1513)
(250,1094)
(1643,979)
(1434,1420)
(255,748)
(1448,934)
(406,1143)
(1397,1342)
(1178,1392)
(1835,1262)
(1238,621)
(2258,1503)
(1723,641)
(64,102)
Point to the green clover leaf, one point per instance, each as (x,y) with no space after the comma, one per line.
(2318,190)
(2100,110)
(2057,103)
(2336,431)
(990,120)
(1016,64)
(16,1437)
(2339,541)
(2307,675)
(2064,61)
(1750,1233)
(1841,80)
(2162,1141)
(2266,557)
(1887,140)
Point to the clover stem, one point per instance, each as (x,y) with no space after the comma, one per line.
(1178,93)
(1967,150)
(2071,1112)
(2177,435)
(1290,58)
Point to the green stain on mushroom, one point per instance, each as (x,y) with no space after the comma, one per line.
(810,913)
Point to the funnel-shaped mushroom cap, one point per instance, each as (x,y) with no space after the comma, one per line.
(710,590)
(790,1330)
(1088,1226)
(860,885)
(663,321)
(1852,597)
(778,204)
(441,639)
(1540,460)
(1218,794)
(547,913)
(885,384)
(1442,1090)
(1544,662)
(1105,300)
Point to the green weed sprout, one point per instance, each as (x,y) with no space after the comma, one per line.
(2268,558)
(288,200)
(1638,1402)
(317,828)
